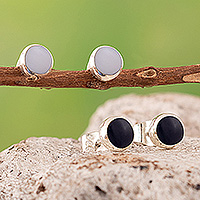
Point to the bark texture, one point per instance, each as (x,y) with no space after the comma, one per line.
(142,77)
(52,168)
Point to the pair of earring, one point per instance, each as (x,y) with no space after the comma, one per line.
(105,62)
(117,133)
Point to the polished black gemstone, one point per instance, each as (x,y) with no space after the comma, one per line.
(170,130)
(120,133)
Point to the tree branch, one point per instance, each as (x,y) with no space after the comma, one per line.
(142,77)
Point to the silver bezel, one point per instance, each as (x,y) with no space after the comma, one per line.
(153,134)
(92,67)
(21,63)
(104,137)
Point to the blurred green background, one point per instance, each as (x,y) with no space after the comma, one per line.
(146,32)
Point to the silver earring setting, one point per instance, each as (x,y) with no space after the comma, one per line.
(105,63)
(35,60)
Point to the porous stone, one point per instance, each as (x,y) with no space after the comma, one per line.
(108,60)
(52,168)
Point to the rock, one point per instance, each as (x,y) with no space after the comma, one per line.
(24,164)
(52,168)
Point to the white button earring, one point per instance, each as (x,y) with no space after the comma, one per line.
(35,60)
(105,63)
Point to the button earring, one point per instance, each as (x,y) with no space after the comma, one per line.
(35,60)
(117,133)
(105,63)
(165,130)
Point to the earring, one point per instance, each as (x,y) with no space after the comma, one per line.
(165,130)
(117,133)
(105,63)
(35,60)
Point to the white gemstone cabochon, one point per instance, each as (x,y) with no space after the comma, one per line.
(108,60)
(38,59)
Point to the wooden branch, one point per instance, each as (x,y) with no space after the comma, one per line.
(142,77)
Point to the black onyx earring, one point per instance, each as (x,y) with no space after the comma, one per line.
(35,60)
(105,63)
(165,130)
(117,133)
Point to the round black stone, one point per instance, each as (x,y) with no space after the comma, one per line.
(170,130)
(120,133)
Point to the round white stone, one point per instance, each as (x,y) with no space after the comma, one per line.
(108,60)
(38,59)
